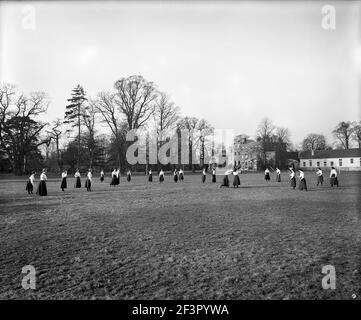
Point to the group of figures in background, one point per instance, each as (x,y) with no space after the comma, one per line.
(178,175)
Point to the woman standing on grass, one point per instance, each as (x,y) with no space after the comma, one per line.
(236,181)
(30,183)
(102,175)
(88,182)
(204,175)
(303,184)
(77,179)
(129,176)
(42,191)
(267,176)
(114,178)
(333,177)
(225,182)
(161,176)
(117,177)
(150,176)
(181,175)
(214,175)
(175,176)
(63,184)
(278,173)
(319,174)
(292,178)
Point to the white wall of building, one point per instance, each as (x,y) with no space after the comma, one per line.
(339,163)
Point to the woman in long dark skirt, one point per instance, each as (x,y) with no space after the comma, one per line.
(225,181)
(175,175)
(88,181)
(101,176)
(236,181)
(150,176)
(278,172)
(30,184)
(292,179)
(303,184)
(333,177)
(129,176)
(214,175)
(267,176)
(181,175)
(77,179)
(161,176)
(63,184)
(42,190)
(319,174)
(204,175)
(113,182)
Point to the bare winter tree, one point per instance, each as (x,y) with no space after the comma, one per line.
(55,134)
(343,132)
(20,130)
(283,135)
(89,120)
(135,98)
(111,116)
(265,130)
(314,141)
(356,134)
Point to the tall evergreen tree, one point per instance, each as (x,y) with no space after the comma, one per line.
(75,112)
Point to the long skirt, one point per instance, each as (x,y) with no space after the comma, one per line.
(117,180)
(114,181)
(101,178)
(175,178)
(150,178)
(320,180)
(204,178)
(42,191)
(181,177)
(278,178)
(303,185)
(88,184)
(267,177)
(77,183)
(213,178)
(333,181)
(225,182)
(236,181)
(63,184)
(293,182)
(129,177)
(161,179)
(29,187)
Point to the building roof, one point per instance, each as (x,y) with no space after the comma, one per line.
(325,154)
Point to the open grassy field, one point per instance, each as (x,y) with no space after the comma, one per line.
(182,241)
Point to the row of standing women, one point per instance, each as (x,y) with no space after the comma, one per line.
(178,175)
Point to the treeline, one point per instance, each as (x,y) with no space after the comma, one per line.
(92,133)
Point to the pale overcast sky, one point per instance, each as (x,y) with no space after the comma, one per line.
(231,62)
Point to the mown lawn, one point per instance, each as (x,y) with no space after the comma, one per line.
(182,241)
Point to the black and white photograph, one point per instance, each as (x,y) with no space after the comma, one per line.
(180,150)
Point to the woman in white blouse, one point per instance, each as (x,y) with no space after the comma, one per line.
(31,183)
(303,184)
(204,175)
(63,185)
(292,178)
(278,172)
(333,177)
(236,181)
(88,181)
(77,179)
(319,174)
(42,191)
(161,176)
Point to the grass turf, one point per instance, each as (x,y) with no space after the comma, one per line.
(182,241)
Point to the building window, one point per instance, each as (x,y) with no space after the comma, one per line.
(331,163)
(325,163)
(351,160)
(318,163)
(304,163)
(340,162)
(310,163)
